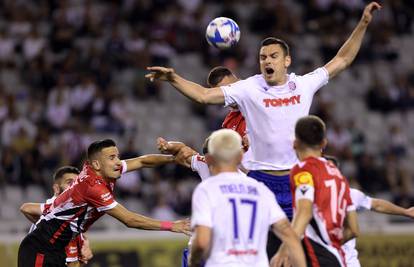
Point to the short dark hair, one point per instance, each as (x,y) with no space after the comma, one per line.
(217,74)
(310,130)
(273,40)
(64,170)
(205,146)
(332,159)
(97,147)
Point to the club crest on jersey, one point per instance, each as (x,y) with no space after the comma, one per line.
(292,86)
(303,178)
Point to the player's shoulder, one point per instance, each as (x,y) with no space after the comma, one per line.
(251,81)
(309,164)
(316,72)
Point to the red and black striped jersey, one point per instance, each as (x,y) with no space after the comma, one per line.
(319,181)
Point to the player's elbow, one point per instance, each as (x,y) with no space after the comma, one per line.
(25,208)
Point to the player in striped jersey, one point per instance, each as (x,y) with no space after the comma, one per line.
(363,202)
(322,201)
(78,251)
(85,201)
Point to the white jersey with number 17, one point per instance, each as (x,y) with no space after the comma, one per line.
(239,210)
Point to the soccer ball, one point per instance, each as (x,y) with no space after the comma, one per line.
(222,33)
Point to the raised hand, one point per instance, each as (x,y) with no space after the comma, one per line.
(368,11)
(162,145)
(182,226)
(160,73)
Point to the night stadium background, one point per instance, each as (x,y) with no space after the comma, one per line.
(72,72)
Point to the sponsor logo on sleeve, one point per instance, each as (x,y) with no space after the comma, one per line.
(106,196)
(303,178)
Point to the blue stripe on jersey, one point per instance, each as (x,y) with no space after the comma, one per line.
(280,186)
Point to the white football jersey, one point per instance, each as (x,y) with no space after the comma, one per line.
(239,210)
(271,113)
(361,202)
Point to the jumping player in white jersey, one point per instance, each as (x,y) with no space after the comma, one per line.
(271,103)
(232,213)
(363,202)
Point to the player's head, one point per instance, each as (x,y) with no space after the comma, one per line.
(63,178)
(103,156)
(224,148)
(310,134)
(274,58)
(220,76)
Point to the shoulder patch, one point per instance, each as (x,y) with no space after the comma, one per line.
(303,178)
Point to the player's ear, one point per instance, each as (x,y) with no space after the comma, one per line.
(295,144)
(324,143)
(288,61)
(209,159)
(56,189)
(95,164)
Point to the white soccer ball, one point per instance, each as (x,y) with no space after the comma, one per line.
(222,33)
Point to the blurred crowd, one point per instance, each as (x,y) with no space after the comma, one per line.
(61,84)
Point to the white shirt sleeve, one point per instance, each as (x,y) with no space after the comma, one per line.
(316,79)
(276,213)
(124,167)
(199,165)
(305,191)
(360,200)
(234,93)
(201,209)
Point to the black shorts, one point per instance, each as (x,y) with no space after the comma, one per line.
(33,253)
(318,256)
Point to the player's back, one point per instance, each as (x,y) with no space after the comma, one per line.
(239,210)
(331,201)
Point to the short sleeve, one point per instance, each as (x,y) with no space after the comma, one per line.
(201,209)
(234,93)
(124,168)
(303,183)
(316,79)
(72,251)
(276,213)
(100,197)
(199,165)
(360,200)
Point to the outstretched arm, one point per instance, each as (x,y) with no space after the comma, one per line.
(350,48)
(148,161)
(135,220)
(181,151)
(169,147)
(384,206)
(31,211)
(190,89)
